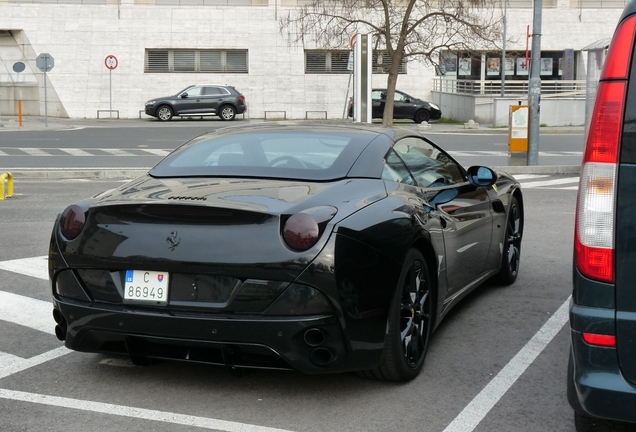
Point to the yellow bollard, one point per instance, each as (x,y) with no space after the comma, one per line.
(8,177)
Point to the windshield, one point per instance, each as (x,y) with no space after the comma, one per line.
(304,155)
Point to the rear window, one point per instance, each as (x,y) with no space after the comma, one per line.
(307,155)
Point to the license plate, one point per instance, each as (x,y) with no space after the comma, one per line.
(146,287)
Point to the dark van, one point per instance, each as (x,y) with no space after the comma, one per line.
(602,367)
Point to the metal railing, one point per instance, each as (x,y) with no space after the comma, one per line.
(552,88)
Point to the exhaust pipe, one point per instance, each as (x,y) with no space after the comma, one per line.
(321,356)
(314,337)
(60,328)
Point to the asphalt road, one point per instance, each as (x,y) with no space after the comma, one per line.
(497,362)
(140,145)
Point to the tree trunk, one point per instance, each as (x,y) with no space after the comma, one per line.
(387,117)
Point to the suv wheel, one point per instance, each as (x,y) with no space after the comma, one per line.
(164,113)
(227,112)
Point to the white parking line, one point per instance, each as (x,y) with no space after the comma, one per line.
(36,267)
(36,314)
(18,365)
(478,408)
(27,312)
(136,413)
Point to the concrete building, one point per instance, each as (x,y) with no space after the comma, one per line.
(163,46)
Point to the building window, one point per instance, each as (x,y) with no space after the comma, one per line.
(337,61)
(190,60)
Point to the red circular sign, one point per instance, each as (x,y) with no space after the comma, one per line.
(111,62)
(352,40)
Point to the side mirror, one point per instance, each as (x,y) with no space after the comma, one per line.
(481,176)
(184,96)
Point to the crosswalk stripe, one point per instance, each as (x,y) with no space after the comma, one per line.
(554,182)
(530,176)
(157,152)
(34,152)
(76,152)
(116,152)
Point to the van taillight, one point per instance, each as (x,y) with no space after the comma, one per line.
(595,210)
(619,55)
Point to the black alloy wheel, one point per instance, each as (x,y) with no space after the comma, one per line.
(164,113)
(422,115)
(511,257)
(410,323)
(227,112)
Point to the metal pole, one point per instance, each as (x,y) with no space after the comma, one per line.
(534,87)
(110,76)
(503,51)
(46,106)
(1,125)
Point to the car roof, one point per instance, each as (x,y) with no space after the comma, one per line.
(366,147)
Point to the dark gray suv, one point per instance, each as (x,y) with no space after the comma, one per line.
(602,367)
(197,100)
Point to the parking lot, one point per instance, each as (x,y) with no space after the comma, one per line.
(497,362)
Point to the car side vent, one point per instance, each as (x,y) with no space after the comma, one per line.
(498,207)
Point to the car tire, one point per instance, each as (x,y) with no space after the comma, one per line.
(164,113)
(410,323)
(227,113)
(511,257)
(422,116)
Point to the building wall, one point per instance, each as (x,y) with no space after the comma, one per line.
(80,36)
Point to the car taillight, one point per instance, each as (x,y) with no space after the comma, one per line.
(72,221)
(241,99)
(594,232)
(301,232)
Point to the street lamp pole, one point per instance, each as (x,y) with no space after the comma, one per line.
(503,50)
(534,87)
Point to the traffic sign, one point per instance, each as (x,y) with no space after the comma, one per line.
(111,62)
(45,62)
(18,67)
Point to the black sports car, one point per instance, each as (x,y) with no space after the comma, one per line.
(317,248)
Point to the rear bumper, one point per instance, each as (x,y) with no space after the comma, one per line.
(232,340)
(599,389)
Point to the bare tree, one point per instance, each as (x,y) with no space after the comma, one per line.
(406,29)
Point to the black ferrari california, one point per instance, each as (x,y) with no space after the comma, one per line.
(283,246)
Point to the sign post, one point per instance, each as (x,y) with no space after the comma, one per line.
(111,63)
(17,68)
(45,63)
